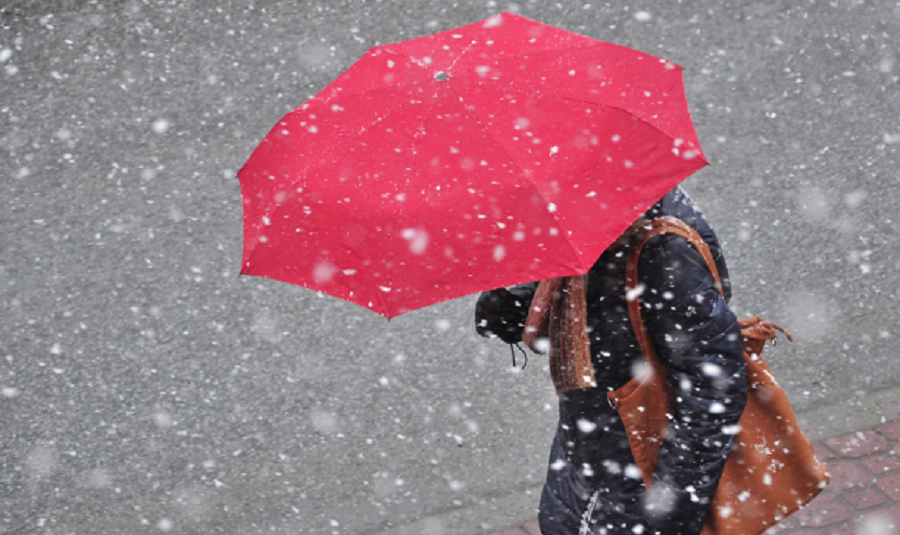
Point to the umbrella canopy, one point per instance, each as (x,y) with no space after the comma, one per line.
(500,152)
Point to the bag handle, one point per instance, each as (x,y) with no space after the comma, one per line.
(661,225)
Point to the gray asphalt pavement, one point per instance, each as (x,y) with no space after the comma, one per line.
(146,388)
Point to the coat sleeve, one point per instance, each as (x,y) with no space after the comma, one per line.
(698,339)
(502,312)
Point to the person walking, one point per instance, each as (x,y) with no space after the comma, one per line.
(593,483)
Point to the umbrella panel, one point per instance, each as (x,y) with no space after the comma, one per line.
(395,188)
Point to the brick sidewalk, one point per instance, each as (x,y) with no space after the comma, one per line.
(863,497)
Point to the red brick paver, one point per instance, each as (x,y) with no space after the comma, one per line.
(822,452)
(865,498)
(847,475)
(532,528)
(512,531)
(886,520)
(862,499)
(891,430)
(890,485)
(782,527)
(858,444)
(881,464)
(826,510)
(846,529)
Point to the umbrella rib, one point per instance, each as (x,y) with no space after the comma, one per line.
(572,99)
(389,86)
(595,44)
(322,103)
(514,162)
(399,206)
(347,146)
(349,143)
(553,52)
(460,56)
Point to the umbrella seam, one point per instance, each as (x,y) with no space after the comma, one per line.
(476,80)
(417,143)
(629,112)
(322,103)
(460,56)
(398,85)
(592,45)
(293,183)
(578,254)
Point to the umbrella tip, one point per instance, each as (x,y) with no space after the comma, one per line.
(441,76)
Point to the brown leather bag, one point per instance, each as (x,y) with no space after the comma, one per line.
(771,470)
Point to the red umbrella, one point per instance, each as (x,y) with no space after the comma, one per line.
(500,152)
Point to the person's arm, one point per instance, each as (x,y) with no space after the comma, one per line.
(502,312)
(698,340)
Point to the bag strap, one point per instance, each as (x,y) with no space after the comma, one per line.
(662,225)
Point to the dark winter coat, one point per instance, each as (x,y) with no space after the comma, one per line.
(593,483)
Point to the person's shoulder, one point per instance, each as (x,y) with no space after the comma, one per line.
(668,250)
(672,251)
(678,204)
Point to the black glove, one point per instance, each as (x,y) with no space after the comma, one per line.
(502,312)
